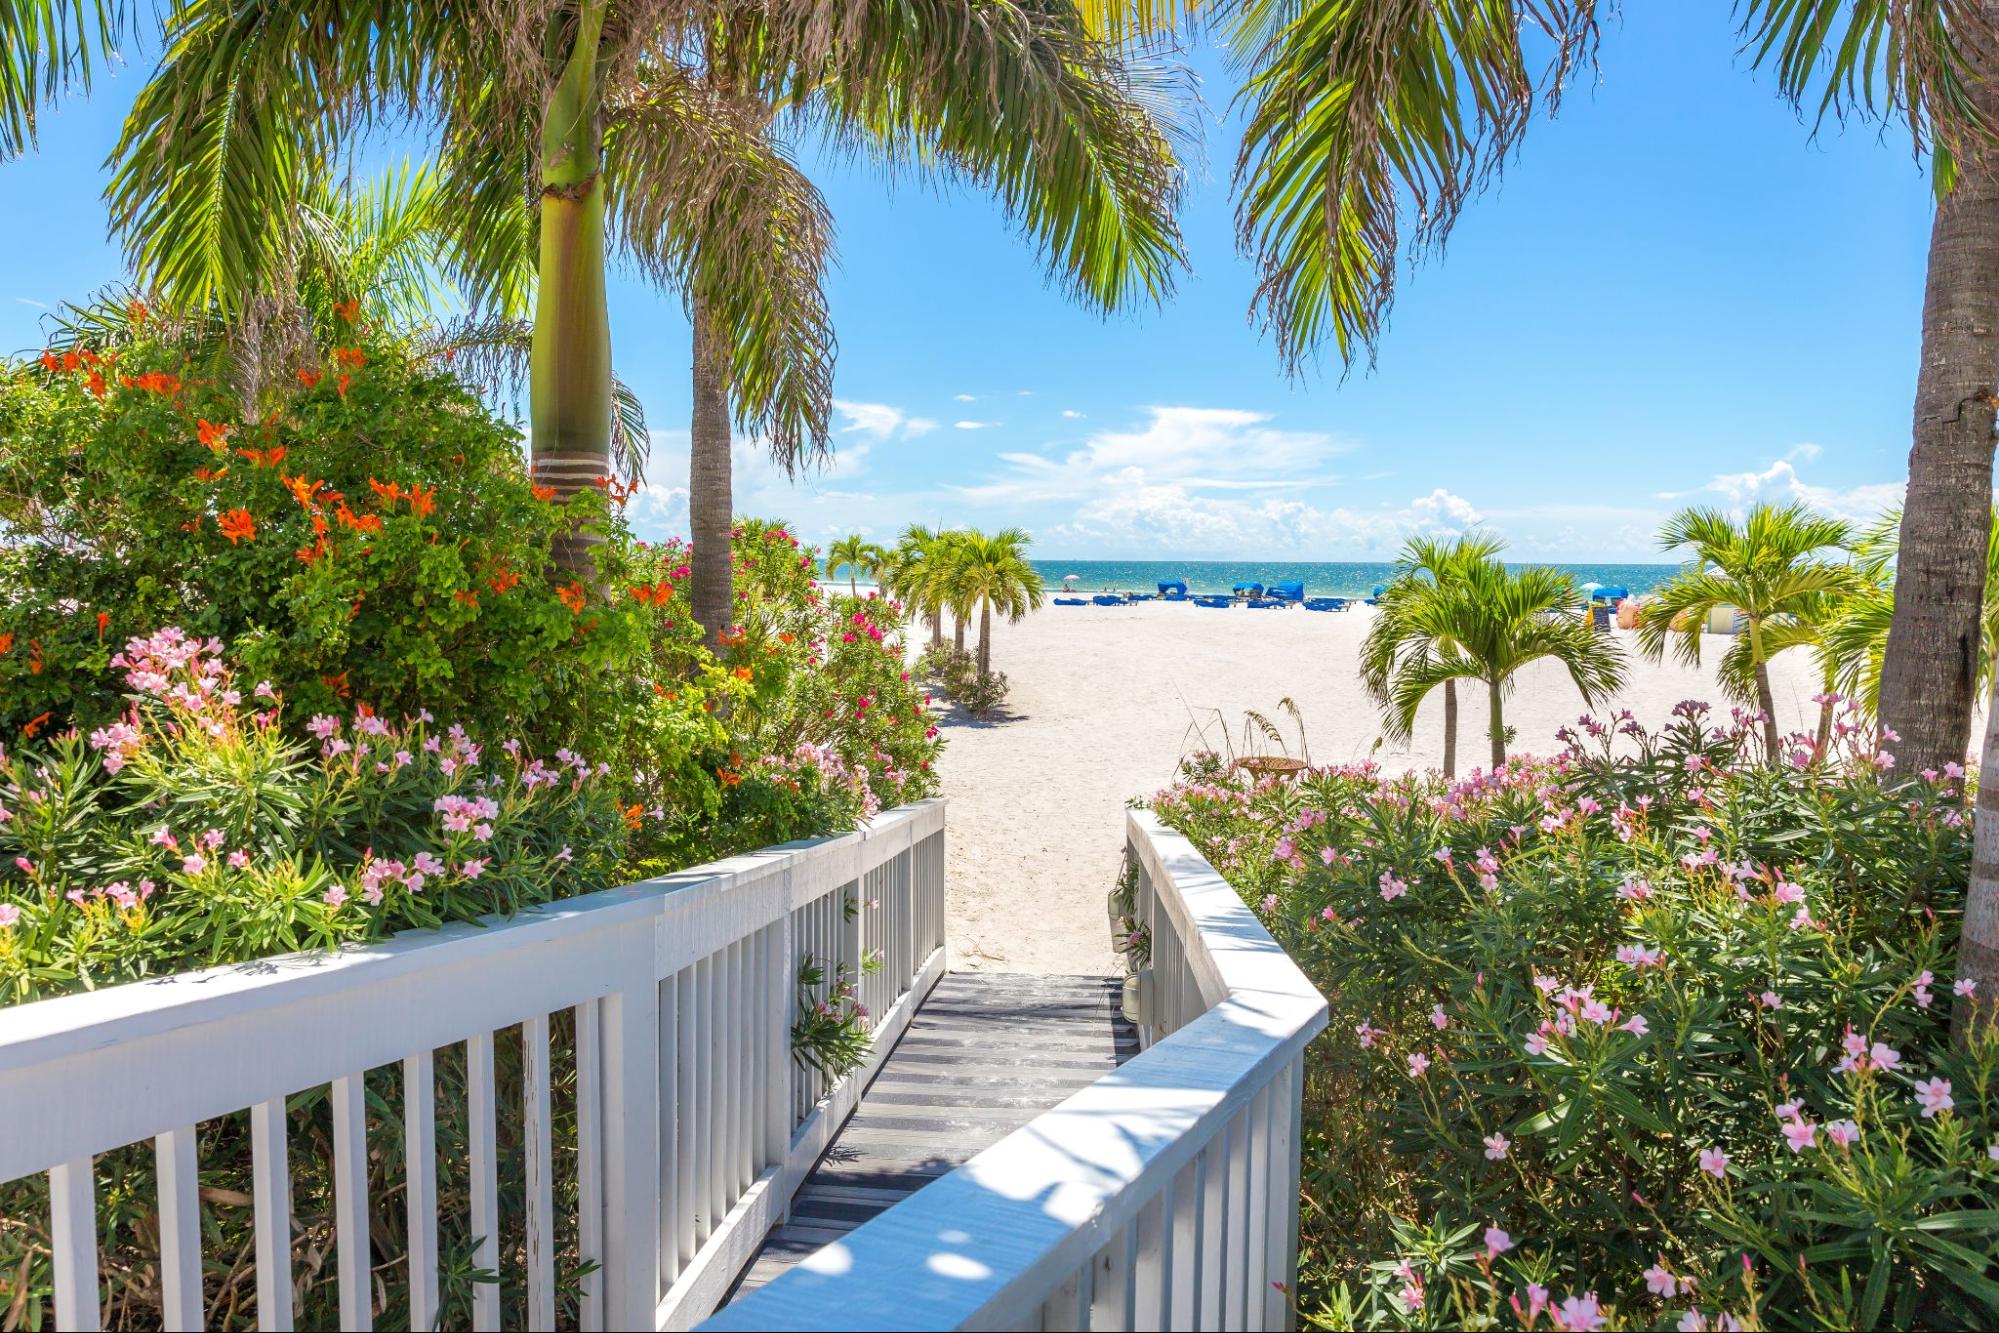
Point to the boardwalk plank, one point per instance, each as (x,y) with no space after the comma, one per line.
(985,1055)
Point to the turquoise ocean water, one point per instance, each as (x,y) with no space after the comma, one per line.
(1321,578)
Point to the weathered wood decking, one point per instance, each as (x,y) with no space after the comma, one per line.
(985,1054)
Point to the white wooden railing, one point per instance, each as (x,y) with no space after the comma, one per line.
(695,1125)
(1163,1196)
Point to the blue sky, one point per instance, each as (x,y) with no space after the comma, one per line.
(1676,294)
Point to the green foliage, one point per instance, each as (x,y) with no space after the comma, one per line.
(374,538)
(830,1034)
(1671,1023)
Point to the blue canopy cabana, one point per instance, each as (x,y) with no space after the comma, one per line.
(1249,590)
(1172,587)
(1288,592)
(1609,593)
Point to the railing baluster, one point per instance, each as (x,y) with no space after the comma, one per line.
(420,1145)
(182,1298)
(1211,1244)
(1286,1105)
(589,1168)
(687,1141)
(73,1238)
(540,1184)
(722,1084)
(1152,1267)
(743,1040)
(482,1112)
(1235,1231)
(630,1140)
(352,1248)
(1183,1247)
(777,1050)
(1256,1245)
(271,1196)
(670,1129)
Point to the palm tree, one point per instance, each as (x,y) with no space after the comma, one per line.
(1772,568)
(1495,621)
(1856,635)
(543,95)
(1361,114)
(988,572)
(916,576)
(1016,97)
(859,555)
(1401,630)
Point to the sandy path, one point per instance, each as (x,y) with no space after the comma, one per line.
(1102,703)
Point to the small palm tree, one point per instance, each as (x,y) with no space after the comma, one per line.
(859,555)
(913,576)
(1856,635)
(1400,631)
(989,572)
(1484,623)
(1774,568)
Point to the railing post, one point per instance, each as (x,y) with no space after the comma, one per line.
(628,1030)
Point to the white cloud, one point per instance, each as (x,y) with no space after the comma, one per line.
(965,397)
(1072,414)
(877,419)
(1177,520)
(1780,482)
(916,426)
(973,425)
(23,300)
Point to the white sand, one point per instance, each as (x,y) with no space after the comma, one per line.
(1105,701)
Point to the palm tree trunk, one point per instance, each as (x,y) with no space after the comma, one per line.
(710,502)
(1450,728)
(1978,942)
(853,587)
(985,638)
(937,630)
(958,631)
(1765,700)
(1928,675)
(1498,724)
(569,366)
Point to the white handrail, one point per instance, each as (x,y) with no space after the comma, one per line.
(1162,1196)
(695,1125)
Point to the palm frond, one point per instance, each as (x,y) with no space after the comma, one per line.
(45,46)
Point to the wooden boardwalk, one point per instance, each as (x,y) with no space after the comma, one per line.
(984,1055)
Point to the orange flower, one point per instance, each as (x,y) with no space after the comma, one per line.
(50,363)
(6,643)
(237,526)
(350,356)
(543,493)
(359,522)
(311,554)
(35,659)
(386,493)
(729,776)
(634,816)
(308,377)
(573,597)
(651,594)
(270,457)
(210,474)
(302,490)
(503,581)
(138,310)
(338,684)
(422,502)
(345,380)
(467,598)
(95,383)
(742,673)
(214,434)
(70,361)
(348,310)
(34,725)
(103,620)
(153,381)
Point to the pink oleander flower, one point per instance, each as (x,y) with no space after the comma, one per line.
(1497,1242)
(1391,887)
(1636,1025)
(1438,1018)
(1715,1162)
(1769,999)
(1842,1132)
(1419,1063)
(9,915)
(193,864)
(1934,1095)
(1964,986)
(1660,1281)
(1496,1147)
(1536,1043)
(1800,1134)
(336,895)
(1579,1314)
(238,859)
(472,869)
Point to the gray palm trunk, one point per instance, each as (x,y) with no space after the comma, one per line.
(710,502)
(985,638)
(1498,730)
(1928,678)
(1450,729)
(1978,944)
(1765,699)
(958,631)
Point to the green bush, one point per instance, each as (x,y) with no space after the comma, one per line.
(372,538)
(1633,1040)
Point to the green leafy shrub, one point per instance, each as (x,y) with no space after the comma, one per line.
(1637,1039)
(373,538)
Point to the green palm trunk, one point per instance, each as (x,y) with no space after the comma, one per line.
(569,376)
(1497,729)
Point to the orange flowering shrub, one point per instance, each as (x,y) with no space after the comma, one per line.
(379,545)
